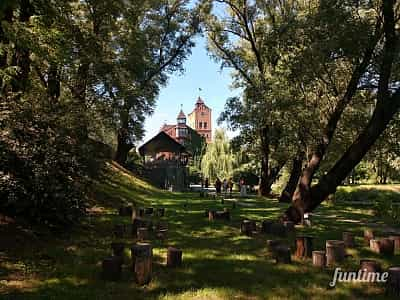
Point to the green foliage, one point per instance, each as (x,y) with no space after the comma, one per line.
(219,160)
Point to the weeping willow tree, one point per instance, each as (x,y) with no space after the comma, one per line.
(219,160)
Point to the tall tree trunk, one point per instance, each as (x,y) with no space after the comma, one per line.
(306,198)
(264,187)
(288,191)
(124,145)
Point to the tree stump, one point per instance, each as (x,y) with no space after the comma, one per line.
(393,282)
(160,212)
(174,257)
(246,227)
(142,234)
(142,255)
(370,266)
(319,258)
(211,215)
(368,235)
(125,211)
(282,254)
(396,242)
(289,225)
(148,211)
(303,246)
(383,246)
(266,226)
(119,231)
(222,215)
(278,229)
(162,234)
(335,252)
(118,249)
(272,244)
(348,239)
(111,268)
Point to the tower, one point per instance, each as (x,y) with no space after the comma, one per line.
(181,129)
(200,120)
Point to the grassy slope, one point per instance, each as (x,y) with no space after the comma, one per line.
(219,263)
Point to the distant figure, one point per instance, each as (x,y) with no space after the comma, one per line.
(218,185)
(207,183)
(230,186)
(242,187)
(225,186)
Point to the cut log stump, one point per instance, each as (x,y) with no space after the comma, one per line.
(289,225)
(142,234)
(142,256)
(282,254)
(319,258)
(393,282)
(383,246)
(118,249)
(348,239)
(368,235)
(396,242)
(304,246)
(111,268)
(174,257)
(335,252)
(119,231)
(162,234)
(370,266)
(160,212)
(246,227)
(125,211)
(149,210)
(266,226)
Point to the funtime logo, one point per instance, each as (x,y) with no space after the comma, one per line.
(360,276)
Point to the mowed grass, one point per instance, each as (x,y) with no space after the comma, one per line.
(218,262)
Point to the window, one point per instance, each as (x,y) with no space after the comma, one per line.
(205,125)
(181,132)
(182,121)
(200,124)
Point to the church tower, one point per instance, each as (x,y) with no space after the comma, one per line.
(200,120)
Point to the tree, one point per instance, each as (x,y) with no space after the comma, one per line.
(218,160)
(375,64)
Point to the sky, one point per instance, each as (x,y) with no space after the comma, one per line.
(200,72)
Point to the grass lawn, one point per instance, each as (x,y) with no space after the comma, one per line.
(219,263)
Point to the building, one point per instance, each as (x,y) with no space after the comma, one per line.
(200,120)
(180,131)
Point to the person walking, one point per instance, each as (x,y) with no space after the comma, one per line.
(225,186)
(242,187)
(218,185)
(230,186)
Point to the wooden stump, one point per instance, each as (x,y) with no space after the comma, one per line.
(160,212)
(162,234)
(149,211)
(125,211)
(211,215)
(348,239)
(111,268)
(383,246)
(368,235)
(319,258)
(272,244)
(282,254)
(393,283)
(335,252)
(396,242)
(303,246)
(139,223)
(370,266)
(289,225)
(246,227)
(118,249)
(174,257)
(119,231)
(266,226)
(142,234)
(142,255)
